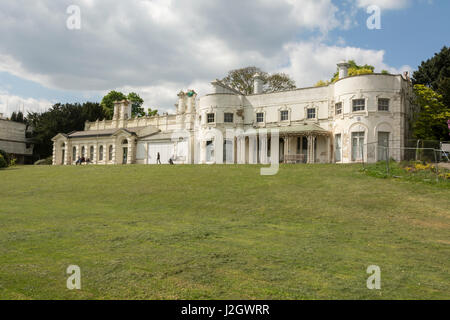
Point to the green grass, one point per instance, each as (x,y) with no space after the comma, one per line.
(398,171)
(220,232)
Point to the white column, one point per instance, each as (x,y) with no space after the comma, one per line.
(329,152)
(218,148)
(263,149)
(65,160)
(309,149)
(54,153)
(130,151)
(114,153)
(95,160)
(253,149)
(286,148)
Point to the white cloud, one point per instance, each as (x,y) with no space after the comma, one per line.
(158,47)
(12,103)
(322,60)
(384,4)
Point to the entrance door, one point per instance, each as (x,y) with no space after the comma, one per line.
(383,145)
(357,146)
(125,155)
(338,148)
(166,151)
(63,154)
(228,151)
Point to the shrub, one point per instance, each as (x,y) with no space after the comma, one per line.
(3,163)
(44,162)
(5,157)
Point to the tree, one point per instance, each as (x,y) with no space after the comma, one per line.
(136,103)
(435,73)
(108,102)
(431,121)
(355,70)
(20,117)
(152,113)
(322,83)
(242,80)
(61,118)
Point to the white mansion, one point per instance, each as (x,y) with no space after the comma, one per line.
(329,124)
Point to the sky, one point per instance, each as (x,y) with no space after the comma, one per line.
(70,51)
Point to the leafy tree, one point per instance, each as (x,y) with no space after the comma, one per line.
(242,80)
(6,158)
(431,121)
(13,116)
(20,117)
(136,103)
(108,102)
(355,70)
(3,163)
(61,118)
(322,83)
(279,82)
(152,113)
(435,73)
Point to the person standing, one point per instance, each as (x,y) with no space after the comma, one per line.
(158,158)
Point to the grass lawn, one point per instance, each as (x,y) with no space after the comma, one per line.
(220,232)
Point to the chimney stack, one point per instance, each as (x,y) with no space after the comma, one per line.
(343,69)
(257,84)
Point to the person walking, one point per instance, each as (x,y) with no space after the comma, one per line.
(158,159)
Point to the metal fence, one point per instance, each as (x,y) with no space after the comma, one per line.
(388,158)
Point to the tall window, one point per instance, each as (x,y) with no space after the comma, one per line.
(311,113)
(210,118)
(260,117)
(110,153)
(83,151)
(383,146)
(338,108)
(338,147)
(383,104)
(228,117)
(74,154)
(91,153)
(359,105)
(209,151)
(357,146)
(284,116)
(100,153)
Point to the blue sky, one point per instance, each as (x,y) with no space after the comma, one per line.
(159,47)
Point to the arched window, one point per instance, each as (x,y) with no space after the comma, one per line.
(91,153)
(110,153)
(125,141)
(100,153)
(83,151)
(74,153)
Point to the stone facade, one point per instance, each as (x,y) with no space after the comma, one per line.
(343,122)
(13,140)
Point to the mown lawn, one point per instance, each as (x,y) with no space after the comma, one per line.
(220,232)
